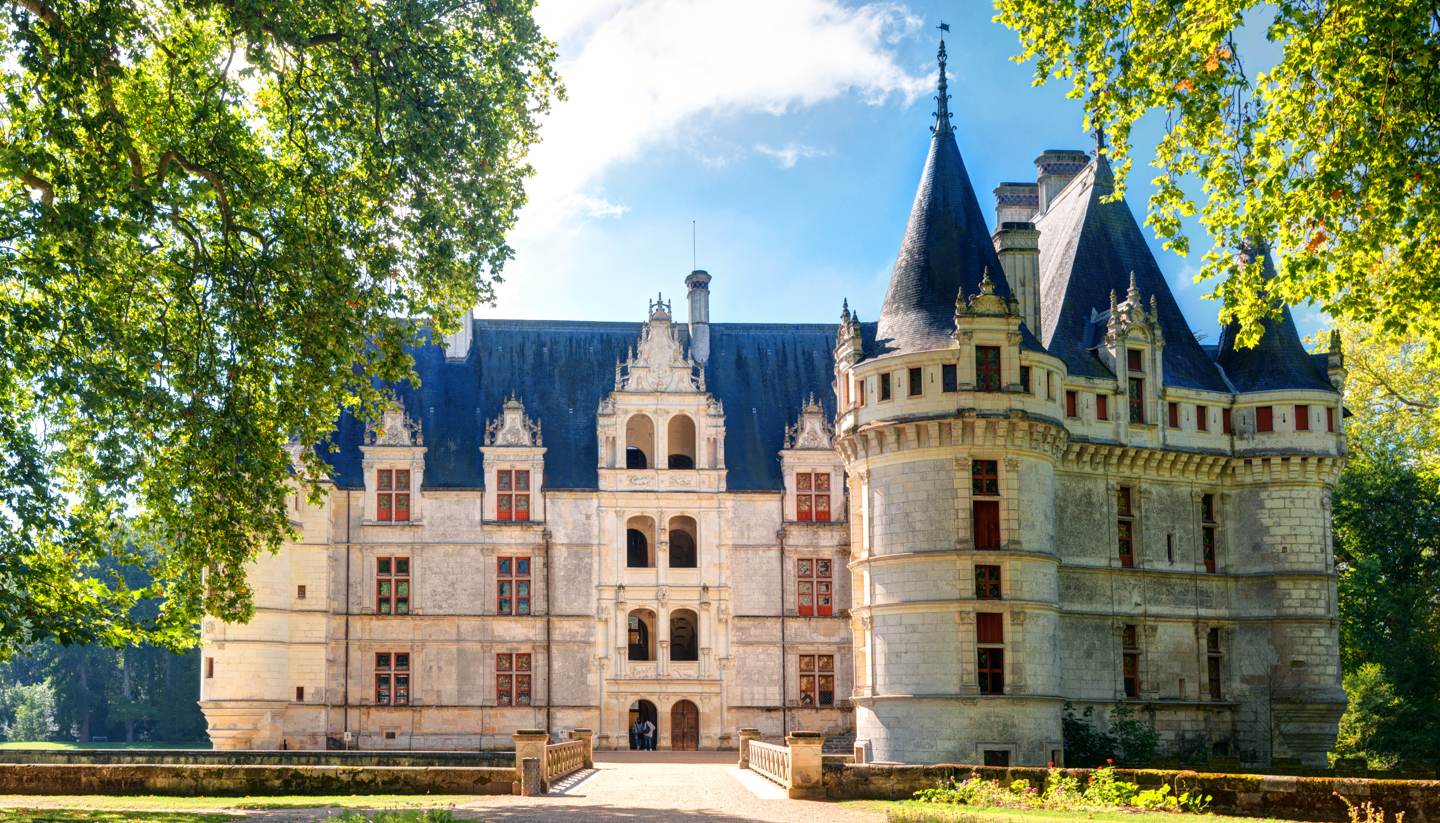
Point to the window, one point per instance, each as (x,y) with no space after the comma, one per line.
(512,501)
(997,757)
(949,382)
(392,585)
(1264,419)
(1125,526)
(885,386)
(1133,360)
(812,497)
(817,679)
(1170,548)
(1174,415)
(299,592)
(990,639)
(512,585)
(1302,418)
(916,382)
(1072,404)
(392,678)
(813,587)
(299,694)
(512,679)
(1225,422)
(987,582)
(987,368)
(1102,407)
(985,482)
(1025,379)
(1207,531)
(1131,651)
(1202,418)
(860,390)
(1136,398)
(392,501)
(1330,419)
(1212,661)
(209,668)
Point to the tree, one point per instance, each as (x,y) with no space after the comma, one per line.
(1332,154)
(1392,397)
(223,223)
(32,712)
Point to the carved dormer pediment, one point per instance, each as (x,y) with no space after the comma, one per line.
(1131,315)
(659,362)
(984,303)
(812,430)
(513,427)
(395,428)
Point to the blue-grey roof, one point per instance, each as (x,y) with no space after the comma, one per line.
(761,373)
(1278,361)
(1089,248)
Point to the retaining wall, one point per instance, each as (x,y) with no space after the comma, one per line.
(1294,798)
(228,780)
(267,757)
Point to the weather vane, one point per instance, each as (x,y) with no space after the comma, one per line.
(943,27)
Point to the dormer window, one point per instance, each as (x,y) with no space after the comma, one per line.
(512,501)
(392,500)
(812,497)
(1135,365)
(987,368)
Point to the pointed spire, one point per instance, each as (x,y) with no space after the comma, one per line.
(1099,138)
(942,99)
(1132,294)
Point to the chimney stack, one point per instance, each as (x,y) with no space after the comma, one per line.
(1054,168)
(1017,244)
(698,284)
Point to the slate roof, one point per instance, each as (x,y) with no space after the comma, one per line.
(1089,248)
(762,373)
(1278,361)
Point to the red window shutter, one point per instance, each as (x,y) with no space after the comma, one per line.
(1132,360)
(804,510)
(1225,424)
(1072,404)
(502,508)
(1174,415)
(382,507)
(987,524)
(1302,418)
(824,599)
(522,507)
(1202,418)
(989,627)
(402,506)
(1102,407)
(1330,419)
(1264,419)
(822,508)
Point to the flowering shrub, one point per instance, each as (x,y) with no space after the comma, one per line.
(1102,790)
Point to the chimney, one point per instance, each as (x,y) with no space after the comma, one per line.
(457,345)
(698,284)
(1017,244)
(1054,168)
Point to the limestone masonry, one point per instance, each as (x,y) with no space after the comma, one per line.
(1027,485)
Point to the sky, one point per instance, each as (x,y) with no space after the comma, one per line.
(792,133)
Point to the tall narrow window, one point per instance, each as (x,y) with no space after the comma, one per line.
(949,381)
(817,679)
(1133,360)
(1208,524)
(1025,379)
(1072,404)
(987,582)
(812,497)
(512,585)
(916,380)
(512,679)
(1302,418)
(813,583)
(209,668)
(1202,418)
(985,483)
(1226,424)
(392,585)
(392,500)
(987,368)
(392,678)
(1131,653)
(990,643)
(1102,407)
(1330,419)
(1264,419)
(1212,663)
(885,386)
(1125,525)
(860,391)
(1174,415)
(1136,399)
(512,501)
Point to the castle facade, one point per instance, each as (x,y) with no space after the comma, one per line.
(1027,485)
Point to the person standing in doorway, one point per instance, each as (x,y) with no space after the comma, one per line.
(647,731)
(636,741)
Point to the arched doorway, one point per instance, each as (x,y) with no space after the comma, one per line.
(684,726)
(641,710)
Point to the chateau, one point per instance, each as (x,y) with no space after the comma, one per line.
(1028,484)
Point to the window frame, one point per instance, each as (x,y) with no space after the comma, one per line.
(808,575)
(989,375)
(510,674)
(1173,413)
(1208,526)
(389,496)
(885,388)
(1215,684)
(512,495)
(510,603)
(1125,525)
(1302,417)
(1130,662)
(813,673)
(1227,421)
(915,381)
(1072,404)
(388,570)
(1135,399)
(1330,419)
(1025,379)
(1202,417)
(990,654)
(985,497)
(949,378)
(812,503)
(391,667)
(988,578)
(1102,407)
(1264,419)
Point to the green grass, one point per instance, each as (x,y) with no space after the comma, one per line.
(911,811)
(75,815)
(53,746)
(10,803)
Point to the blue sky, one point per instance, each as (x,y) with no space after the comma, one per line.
(792,132)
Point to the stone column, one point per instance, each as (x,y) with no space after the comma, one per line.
(746,735)
(806,778)
(589,737)
(529,743)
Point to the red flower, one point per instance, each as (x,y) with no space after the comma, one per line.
(1052,764)
(1109,761)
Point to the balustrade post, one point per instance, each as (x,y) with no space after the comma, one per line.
(529,743)
(806,773)
(589,738)
(746,735)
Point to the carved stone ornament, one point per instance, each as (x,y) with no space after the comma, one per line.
(513,427)
(1132,313)
(812,430)
(395,428)
(984,302)
(659,363)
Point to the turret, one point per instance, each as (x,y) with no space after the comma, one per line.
(1054,169)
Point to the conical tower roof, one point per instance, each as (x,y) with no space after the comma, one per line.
(946,248)
(1278,361)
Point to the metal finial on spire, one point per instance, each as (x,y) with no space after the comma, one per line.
(942,100)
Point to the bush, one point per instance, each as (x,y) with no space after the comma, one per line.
(1131,740)
(1062,791)
(33,711)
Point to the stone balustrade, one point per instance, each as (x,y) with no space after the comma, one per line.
(553,761)
(795,765)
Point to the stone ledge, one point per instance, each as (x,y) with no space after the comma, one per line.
(182,780)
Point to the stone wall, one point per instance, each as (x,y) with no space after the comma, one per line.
(209,757)
(182,780)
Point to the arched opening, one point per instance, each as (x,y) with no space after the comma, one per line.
(684,726)
(641,635)
(681,442)
(684,635)
(641,712)
(639,442)
(640,543)
(683,554)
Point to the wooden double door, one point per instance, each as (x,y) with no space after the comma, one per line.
(684,726)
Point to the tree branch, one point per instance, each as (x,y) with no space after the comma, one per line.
(40,10)
(210,175)
(40,184)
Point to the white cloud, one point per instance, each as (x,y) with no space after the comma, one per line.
(641,72)
(790,153)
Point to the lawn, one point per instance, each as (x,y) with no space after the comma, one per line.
(198,744)
(77,816)
(911,811)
